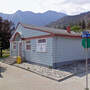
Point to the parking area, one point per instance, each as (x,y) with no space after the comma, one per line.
(18,79)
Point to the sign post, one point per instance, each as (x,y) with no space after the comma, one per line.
(86,36)
(87,64)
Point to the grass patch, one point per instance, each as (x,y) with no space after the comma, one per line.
(6,53)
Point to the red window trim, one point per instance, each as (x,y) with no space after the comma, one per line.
(28,46)
(14,45)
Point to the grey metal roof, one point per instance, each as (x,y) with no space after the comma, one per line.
(52,30)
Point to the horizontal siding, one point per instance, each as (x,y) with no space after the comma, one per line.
(33,56)
(44,58)
(13,52)
(29,32)
(68,49)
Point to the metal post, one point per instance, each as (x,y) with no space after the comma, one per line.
(86,64)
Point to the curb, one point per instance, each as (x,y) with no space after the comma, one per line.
(46,76)
(62,79)
(35,73)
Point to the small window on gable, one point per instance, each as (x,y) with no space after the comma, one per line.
(28,46)
(41,45)
(14,45)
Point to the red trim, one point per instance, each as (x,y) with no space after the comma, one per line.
(14,45)
(69,36)
(14,31)
(43,36)
(51,32)
(17,33)
(36,37)
(37,29)
(47,36)
(30,28)
(28,46)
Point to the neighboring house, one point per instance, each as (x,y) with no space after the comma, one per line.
(46,46)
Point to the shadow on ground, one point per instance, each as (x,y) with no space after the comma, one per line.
(76,68)
(2,70)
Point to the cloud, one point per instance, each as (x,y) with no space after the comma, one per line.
(70,7)
(60,6)
(73,7)
(77,1)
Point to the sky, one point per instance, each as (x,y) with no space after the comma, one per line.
(70,7)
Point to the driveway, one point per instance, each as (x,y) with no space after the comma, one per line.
(18,79)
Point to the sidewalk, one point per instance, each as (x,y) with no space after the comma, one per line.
(53,74)
(59,74)
(18,79)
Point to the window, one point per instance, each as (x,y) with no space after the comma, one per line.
(28,47)
(42,41)
(41,45)
(14,45)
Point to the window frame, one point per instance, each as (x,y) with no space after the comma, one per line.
(27,43)
(14,45)
(45,43)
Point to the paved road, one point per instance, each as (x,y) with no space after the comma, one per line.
(18,79)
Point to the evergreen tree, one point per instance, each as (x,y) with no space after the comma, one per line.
(83,25)
(5,34)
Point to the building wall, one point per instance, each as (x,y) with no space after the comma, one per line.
(13,52)
(32,55)
(59,49)
(25,33)
(67,49)
(44,58)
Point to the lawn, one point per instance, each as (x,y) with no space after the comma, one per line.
(6,53)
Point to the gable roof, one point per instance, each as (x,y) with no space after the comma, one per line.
(50,30)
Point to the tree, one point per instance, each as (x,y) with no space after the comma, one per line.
(75,28)
(1,36)
(83,24)
(5,34)
(88,26)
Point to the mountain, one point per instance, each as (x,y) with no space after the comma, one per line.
(29,17)
(70,20)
